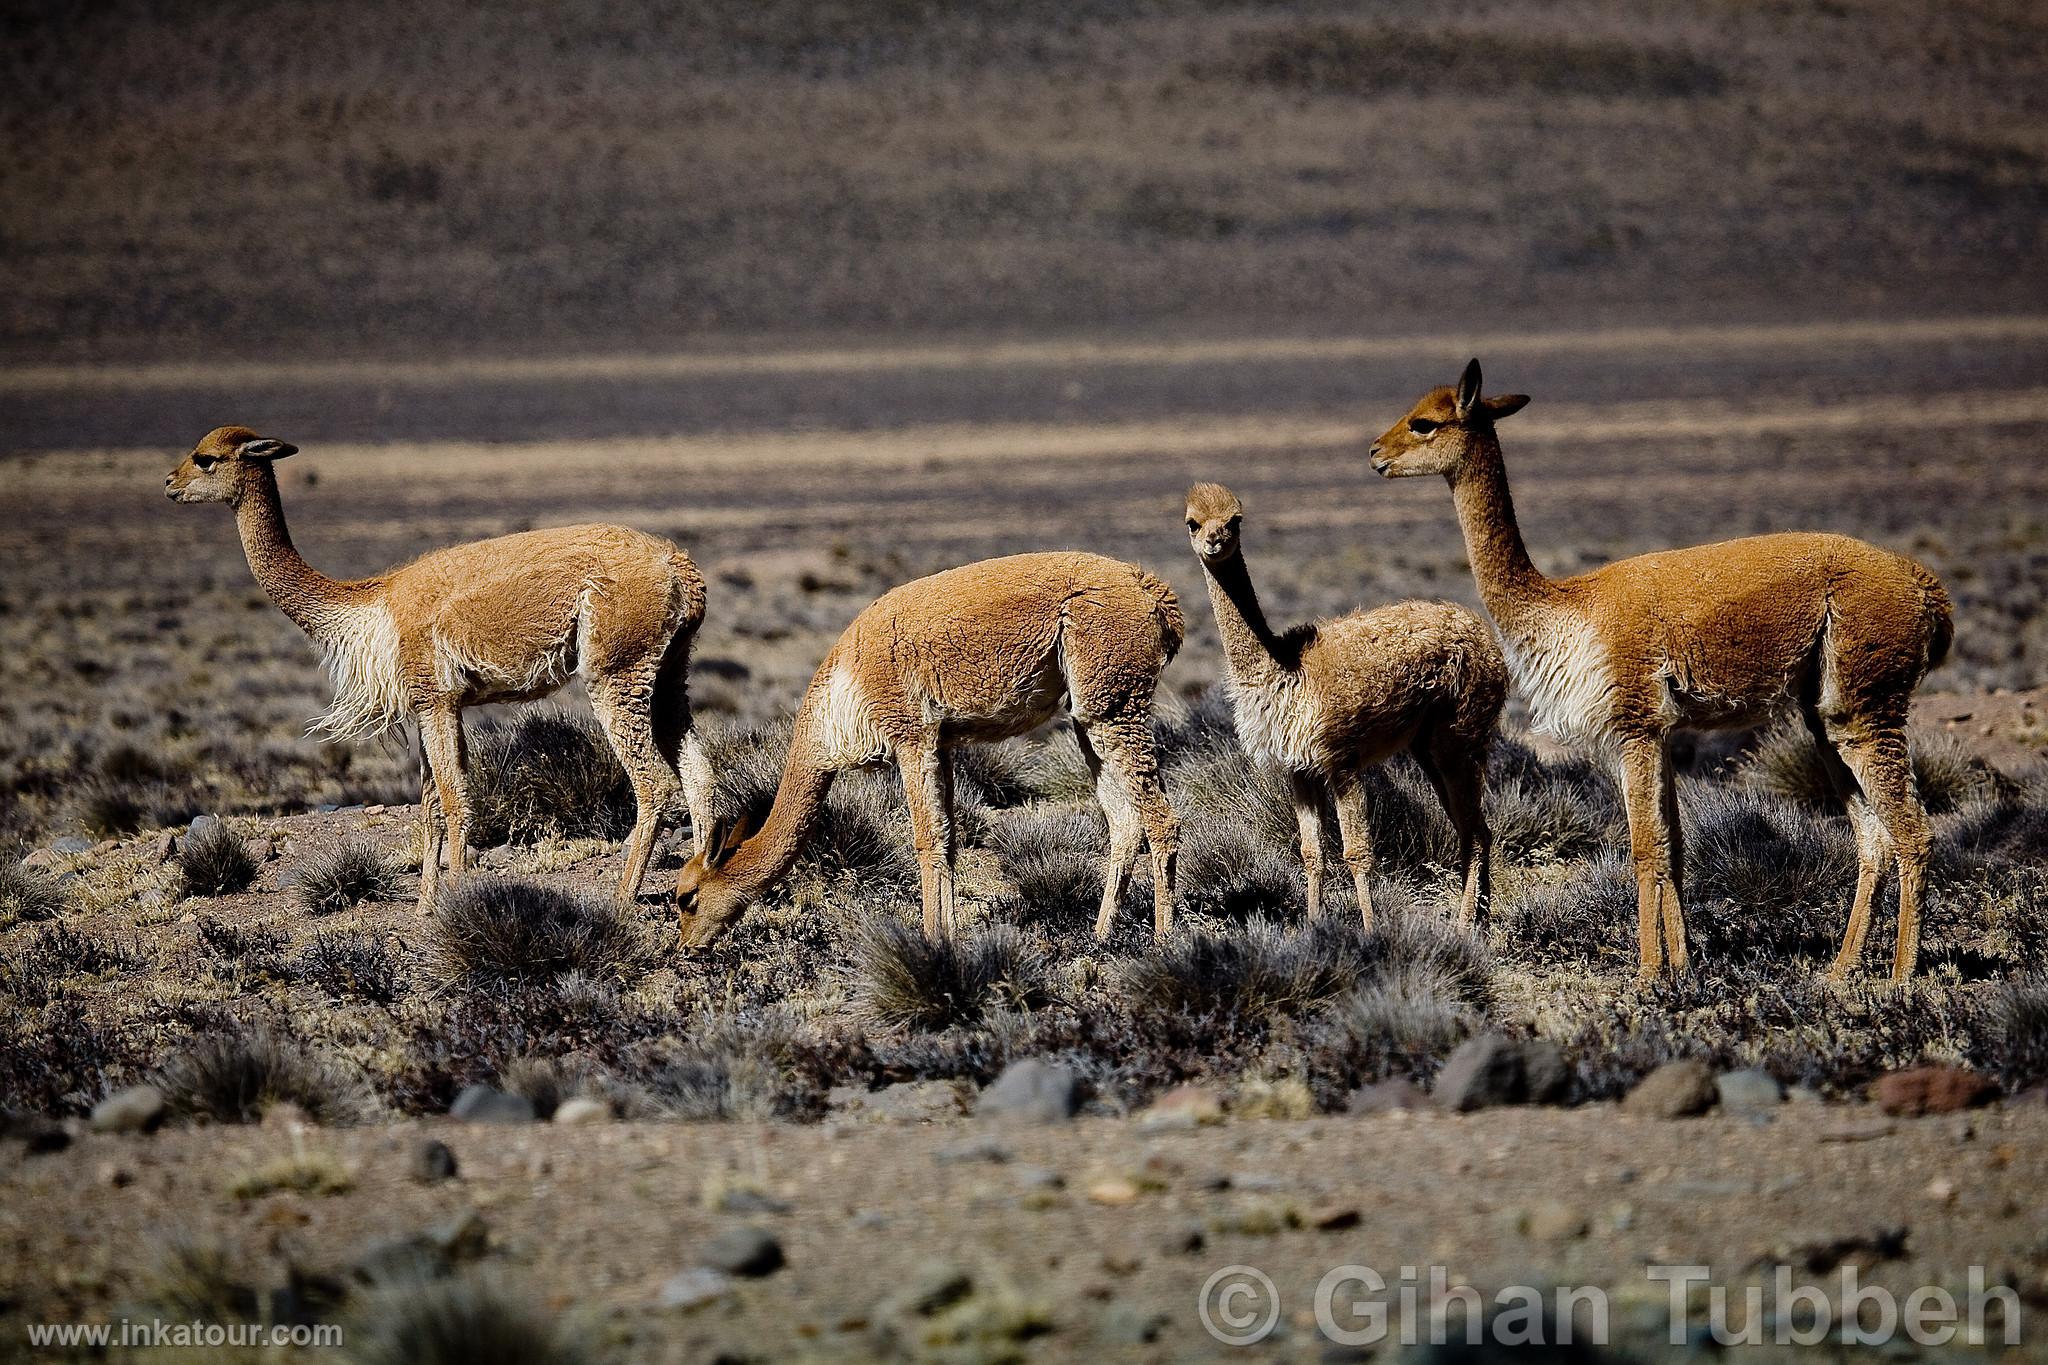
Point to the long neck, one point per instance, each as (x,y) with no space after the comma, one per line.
(761,861)
(1507,580)
(1247,640)
(297,589)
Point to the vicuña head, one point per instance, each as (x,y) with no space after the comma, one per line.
(1441,432)
(1215,518)
(226,464)
(707,901)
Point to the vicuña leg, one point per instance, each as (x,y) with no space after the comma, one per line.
(675,738)
(1131,767)
(441,730)
(624,703)
(1462,784)
(430,825)
(1308,792)
(1355,832)
(1660,929)
(1884,770)
(926,789)
(1126,834)
(1671,894)
(1873,845)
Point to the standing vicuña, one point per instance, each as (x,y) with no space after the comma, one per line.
(1713,636)
(972,655)
(502,620)
(1325,701)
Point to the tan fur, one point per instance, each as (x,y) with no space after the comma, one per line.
(1323,702)
(1713,636)
(972,655)
(503,620)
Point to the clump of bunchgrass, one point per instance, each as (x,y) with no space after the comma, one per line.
(215,862)
(233,1076)
(459,1321)
(1054,858)
(549,774)
(502,929)
(27,894)
(901,979)
(345,876)
(351,964)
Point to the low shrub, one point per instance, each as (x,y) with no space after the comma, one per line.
(215,862)
(903,980)
(500,929)
(351,964)
(26,893)
(1054,858)
(459,1321)
(549,773)
(345,876)
(2018,1033)
(234,1075)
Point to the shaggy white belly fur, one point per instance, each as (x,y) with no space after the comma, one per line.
(1559,665)
(1278,725)
(361,648)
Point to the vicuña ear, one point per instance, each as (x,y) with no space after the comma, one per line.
(267,449)
(1504,405)
(731,836)
(1468,388)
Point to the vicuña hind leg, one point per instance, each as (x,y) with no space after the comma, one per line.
(675,738)
(623,702)
(1461,782)
(1660,922)
(1126,834)
(430,825)
(1873,846)
(1131,770)
(441,734)
(1355,832)
(1883,769)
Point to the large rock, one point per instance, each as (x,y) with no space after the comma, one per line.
(138,1109)
(748,1251)
(1033,1091)
(1932,1090)
(481,1104)
(1493,1070)
(581,1111)
(432,1162)
(1748,1092)
(1674,1090)
(915,1102)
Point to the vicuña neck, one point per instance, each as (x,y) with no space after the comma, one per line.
(761,861)
(294,586)
(1507,580)
(1247,639)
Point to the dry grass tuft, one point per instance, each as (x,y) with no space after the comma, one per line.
(215,862)
(499,929)
(345,876)
(902,980)
(234,1076)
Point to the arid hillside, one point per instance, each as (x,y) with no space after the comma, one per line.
(257,178)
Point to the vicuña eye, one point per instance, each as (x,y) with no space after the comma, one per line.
(1422,426)
(1194,525)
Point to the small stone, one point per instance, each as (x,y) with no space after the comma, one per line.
(200,824)
(1182,1107)
(104,846)
(137,1109)
(260,850)
(1334,1218)
(1942,1190)
(751,1201)
(115,1176)
(749,1251)
(374,809)
(1932,1090)
(497,859)
(1751,1091)
(1033,1091)
(973,1149)
(42,860)
(1186,1238)
(693,1289)
(933,1287)
(1114,1191)
(482,1104)
(1040,1178)
(1674,1090)
(432,1162)
(582,1111)
(1385,1097)
(1549,1220)
(164,847)
(1492,1069)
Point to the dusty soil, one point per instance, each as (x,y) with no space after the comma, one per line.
(599,1218)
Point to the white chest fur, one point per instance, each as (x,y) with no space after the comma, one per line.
(1278,724)
(1559,665)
